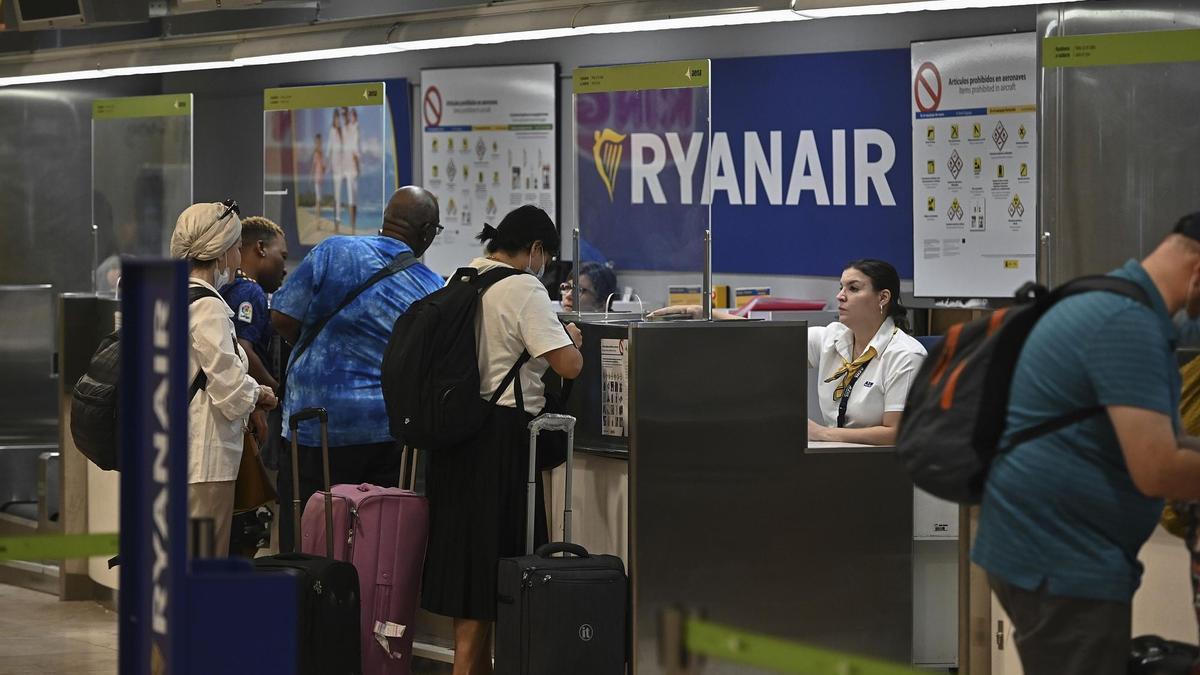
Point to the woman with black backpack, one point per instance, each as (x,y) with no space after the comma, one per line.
(476,489)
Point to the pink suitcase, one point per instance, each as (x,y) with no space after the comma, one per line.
(383,532)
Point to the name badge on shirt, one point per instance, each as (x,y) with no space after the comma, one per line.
(868,384)
(245,312)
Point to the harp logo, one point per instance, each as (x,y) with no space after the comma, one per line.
(606,151)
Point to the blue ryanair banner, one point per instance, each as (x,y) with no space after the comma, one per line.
(811,166)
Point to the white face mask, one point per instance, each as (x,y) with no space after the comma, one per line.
(224,276)
(541,270)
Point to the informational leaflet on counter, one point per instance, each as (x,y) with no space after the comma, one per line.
(974,105)
(614,380)
(488,146)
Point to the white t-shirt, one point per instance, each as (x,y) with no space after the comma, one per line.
(516,315)
(883,385)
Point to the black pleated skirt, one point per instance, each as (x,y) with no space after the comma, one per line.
(477,515)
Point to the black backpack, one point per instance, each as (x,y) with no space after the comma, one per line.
(431,365)
(955,414)
(94,397)
(1152,655)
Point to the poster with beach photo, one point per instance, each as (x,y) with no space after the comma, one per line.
(326,159)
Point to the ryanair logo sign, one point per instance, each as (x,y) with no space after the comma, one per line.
(606,151)
(857,165)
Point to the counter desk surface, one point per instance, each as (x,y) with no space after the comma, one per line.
(834,447)
(814,448)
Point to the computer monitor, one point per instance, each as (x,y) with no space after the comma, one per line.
(56,14)
(40,14)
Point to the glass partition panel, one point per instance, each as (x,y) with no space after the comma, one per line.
(141,178)
(642,184)
(1119,95)
(324,161)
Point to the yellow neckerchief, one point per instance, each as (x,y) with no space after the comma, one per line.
(847,371)
(849,368)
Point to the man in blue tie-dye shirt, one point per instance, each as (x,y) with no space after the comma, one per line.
(340,370)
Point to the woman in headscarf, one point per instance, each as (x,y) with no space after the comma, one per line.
(222,395)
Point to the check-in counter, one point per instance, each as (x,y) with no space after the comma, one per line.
(29,498)
(90,496)
(692,464)
(715,500)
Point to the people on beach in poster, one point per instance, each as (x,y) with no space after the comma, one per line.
(318,172)
(340,148)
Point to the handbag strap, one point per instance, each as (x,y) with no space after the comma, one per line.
(565,392)
(510,378)
(400,263)
(201,380)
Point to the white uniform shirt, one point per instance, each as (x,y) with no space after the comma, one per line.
(217,415)
(885,381)
(516,315)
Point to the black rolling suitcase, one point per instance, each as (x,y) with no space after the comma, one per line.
(328,621)
(558,615)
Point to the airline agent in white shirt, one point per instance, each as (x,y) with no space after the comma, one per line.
(865,362)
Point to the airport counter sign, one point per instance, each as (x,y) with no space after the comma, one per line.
(804,160)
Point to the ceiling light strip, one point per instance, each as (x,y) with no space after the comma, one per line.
(727,18)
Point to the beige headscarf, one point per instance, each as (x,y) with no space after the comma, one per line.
(199,235)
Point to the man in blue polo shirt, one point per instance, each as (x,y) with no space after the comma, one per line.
(264,256)
(1064,515)
(264,259)
(340,369)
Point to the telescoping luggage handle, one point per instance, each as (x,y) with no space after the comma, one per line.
(548,422)
(408,470)
(294,424)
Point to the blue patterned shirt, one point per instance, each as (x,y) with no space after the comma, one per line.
(340,371)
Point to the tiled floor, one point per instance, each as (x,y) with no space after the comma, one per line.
(41,636)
